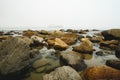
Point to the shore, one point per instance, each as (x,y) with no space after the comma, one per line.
(60,54)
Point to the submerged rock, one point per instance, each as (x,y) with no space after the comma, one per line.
(73,59)
(113,63)
(101,73)
(14,55)
(63,73)
(86,46)
(104,53)
(111,34)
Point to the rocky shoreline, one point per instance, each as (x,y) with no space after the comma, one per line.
(60,55)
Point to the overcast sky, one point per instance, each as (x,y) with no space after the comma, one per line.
(38,14)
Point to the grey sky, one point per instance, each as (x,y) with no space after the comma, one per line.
(37,14)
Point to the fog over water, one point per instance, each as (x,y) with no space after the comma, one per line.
(57,14)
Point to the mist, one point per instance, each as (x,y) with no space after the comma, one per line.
(57,14)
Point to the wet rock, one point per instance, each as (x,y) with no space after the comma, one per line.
(117,52)
(73,59)
(39,63)
(47,52)
(101,73)
(60,45)
(51,42)
(83,31)
(80,37)
(72,31)
(63,30)
(104,53)
(112,44)
(113,63)
(63,73)
(15,55)
(44,32)
(96,39)
(34,53)
(30,33)
(111,34)
(1,33)
(10,33)
(3,38)
(37,41)
(57,33)
(95,30)
(86,46)
(69,38)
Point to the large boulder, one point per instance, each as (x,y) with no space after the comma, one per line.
(63,73)
(111,34)
(101,73)
(86,46)
(73,59)
(113,63)
(14,55)
(69,38)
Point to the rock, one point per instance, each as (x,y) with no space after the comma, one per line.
(83,31)
(117,52)
(10,33)
(30,33)
(85,46)
(113,63)
(37,41)
(34,53)
(14,55)
(104,53)
(1,33)
(101,73)
(80,37)
(111,34)
(57,33)
(63,30)
(51,42)
(3,38)
(39,63)
(73,59)
(96,39)
(48,62)
(44,32)
(69,38)
(60,45)
(95,30)
(47,52)
(63,73)
(112,44)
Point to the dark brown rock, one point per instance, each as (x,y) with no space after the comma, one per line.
(113,63)
(111,34)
